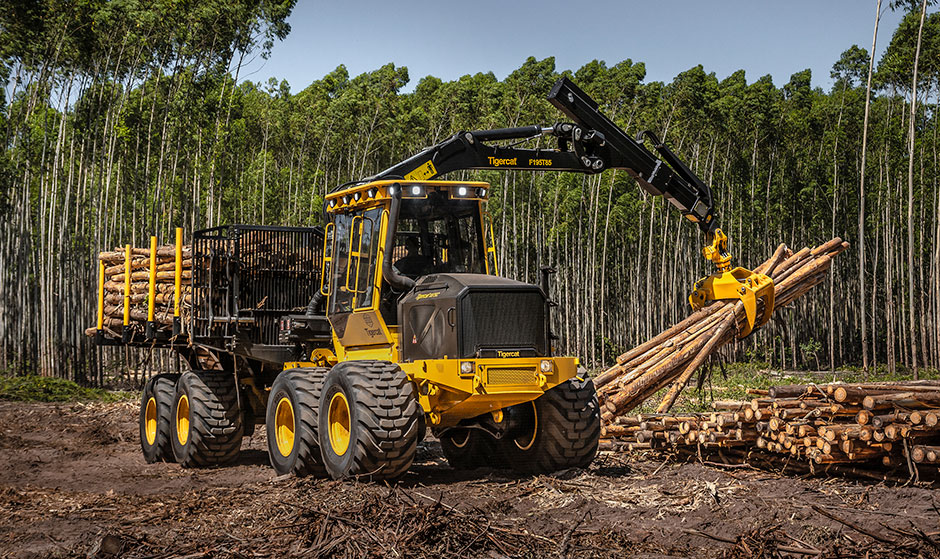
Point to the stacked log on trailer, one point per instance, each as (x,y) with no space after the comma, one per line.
(874,425)
(670,359)
(139,285)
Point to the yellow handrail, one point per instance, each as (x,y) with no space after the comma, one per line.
(326,270)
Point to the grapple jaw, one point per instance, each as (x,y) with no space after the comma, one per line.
(741,284)
(729,284)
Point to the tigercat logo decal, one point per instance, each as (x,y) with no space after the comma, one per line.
(507,353)
(499,162)
(428,295)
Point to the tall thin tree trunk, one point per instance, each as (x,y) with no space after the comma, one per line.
(861,191)
(912,320)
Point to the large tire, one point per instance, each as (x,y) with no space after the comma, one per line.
(291,422)
(562,432)
(207,425)
(468,449)
(156,418)
(368,421)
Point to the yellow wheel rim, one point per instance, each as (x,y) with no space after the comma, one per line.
(525,442)
(339,423)
(459,441)
(284,427)
(182,419)
(150,421)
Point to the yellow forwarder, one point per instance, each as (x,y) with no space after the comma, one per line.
(348,341)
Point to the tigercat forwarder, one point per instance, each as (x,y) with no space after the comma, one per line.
(349,341)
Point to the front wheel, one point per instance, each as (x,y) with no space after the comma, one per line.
(368,421)
(468,449)
(559,430)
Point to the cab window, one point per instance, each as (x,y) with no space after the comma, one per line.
(438,235)
(355,255)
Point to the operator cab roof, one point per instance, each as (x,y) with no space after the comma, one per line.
(365,194)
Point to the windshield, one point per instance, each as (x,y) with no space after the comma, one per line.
(438,235)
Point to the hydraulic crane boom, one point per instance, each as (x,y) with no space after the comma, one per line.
(592,143)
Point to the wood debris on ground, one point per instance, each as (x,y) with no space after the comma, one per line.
(873,427)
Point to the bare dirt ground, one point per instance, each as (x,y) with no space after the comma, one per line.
(74,484)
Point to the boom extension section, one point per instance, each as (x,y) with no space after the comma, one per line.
(592,143)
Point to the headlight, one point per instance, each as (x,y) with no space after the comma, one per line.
(545,366)
(462,191)
(416,190)
(466,367)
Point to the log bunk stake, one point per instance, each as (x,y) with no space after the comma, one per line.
(143,288)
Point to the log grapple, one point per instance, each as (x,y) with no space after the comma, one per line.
(729,283)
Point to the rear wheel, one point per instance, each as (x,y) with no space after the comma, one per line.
(467,449)
(559,430)
(156,418)
(291,422)
(368,421)
(207,423)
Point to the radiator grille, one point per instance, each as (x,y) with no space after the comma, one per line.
(506,375)
(506,320)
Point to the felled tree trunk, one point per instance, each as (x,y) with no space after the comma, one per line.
(671,358)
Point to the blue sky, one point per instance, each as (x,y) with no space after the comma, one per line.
(450,39)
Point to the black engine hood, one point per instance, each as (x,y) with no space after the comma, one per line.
(472,281)
(471,315)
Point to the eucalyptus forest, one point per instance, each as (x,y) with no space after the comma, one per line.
(125,119)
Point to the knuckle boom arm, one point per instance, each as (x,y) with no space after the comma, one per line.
(590,143)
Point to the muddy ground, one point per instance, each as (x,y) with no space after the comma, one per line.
(74,484)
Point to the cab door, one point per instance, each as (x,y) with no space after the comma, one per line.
(353,288)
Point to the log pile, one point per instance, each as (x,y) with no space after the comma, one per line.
(115,274)
(672,357)
(872,425)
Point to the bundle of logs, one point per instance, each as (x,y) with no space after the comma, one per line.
(164,286)
(874,425)
(672,357)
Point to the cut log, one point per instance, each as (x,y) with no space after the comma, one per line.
(671,358)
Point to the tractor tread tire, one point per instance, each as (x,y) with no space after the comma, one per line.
(569,430)
(307,384)
(215,424)
(477,452)
(385,412)
(162,388)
